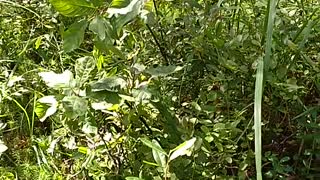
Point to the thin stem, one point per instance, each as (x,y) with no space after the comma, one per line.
(158,44)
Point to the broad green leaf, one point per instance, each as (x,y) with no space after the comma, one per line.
(74,35)
(163,70)
(170,121)
(73,8)
(54,80)
(74,106)
(103,45)
(182,149)
(152,145)
(113,84)
(141,95)
(40,110)
(83,68)
(159,157)
(97,25)
(105,96)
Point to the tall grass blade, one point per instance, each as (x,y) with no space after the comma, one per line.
(257,117)
(259,86)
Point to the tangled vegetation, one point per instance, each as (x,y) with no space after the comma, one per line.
(150,89)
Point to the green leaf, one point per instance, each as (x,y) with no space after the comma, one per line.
(151,163)
(54,80)
(119,3)
(159,157)
(141,94)
(74,35)
(122,7)
(113,84)
(163,70)
(83,68)
(73,8)
(124,14)
(97,26)
(133,178)
(285,159)
(74,106)
(170,121)
(89,128)
(38,42)
(152,145)
(107,96)
(40,110)
(182,149)
(101,105)
(229,160)
(259,86)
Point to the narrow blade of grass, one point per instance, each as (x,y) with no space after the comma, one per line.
(259,86)
(257,117)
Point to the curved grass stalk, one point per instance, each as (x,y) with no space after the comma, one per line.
(259,86)
(24,111)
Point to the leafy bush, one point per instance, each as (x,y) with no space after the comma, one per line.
(159,89)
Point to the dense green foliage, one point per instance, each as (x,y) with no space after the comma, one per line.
(147,89)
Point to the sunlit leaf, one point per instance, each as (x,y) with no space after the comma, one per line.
(13,80)
(158,156)
(133,6)
(182,149)
(3,147)
(124,14)
(101,105)
(57,80)
(73,7)
(44,113)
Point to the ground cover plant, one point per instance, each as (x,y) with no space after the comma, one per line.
(148,89)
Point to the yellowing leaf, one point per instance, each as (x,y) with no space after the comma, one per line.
(38,42)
